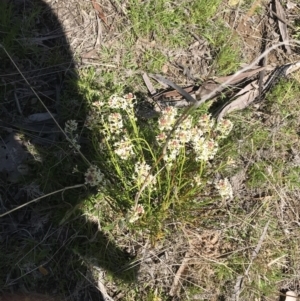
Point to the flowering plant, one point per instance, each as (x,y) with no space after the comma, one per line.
(152,166)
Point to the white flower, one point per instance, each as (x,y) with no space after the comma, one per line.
(71,126)
(92,120)
(135,213)
(142,170)
(124,148)
(184,136)
(74,142)
(205,123)
(167,119)
(184,130)
(174,147)
(186,124)
(161,137)
(125,103)
(196,133)
(115,123)
(224,127)
(170,111)
(197,180)
(225,189)
(205,149)
(94,176)
(98,104)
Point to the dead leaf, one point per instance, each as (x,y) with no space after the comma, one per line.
(43,270)
(293,68)
(215,85)
(92,54)
(212,85)
(99,10)
(174,94)
(239,78)
(244,98)
(168,82)
(282,25)
(165,68)
(207,88)
(153,43)
(148,84)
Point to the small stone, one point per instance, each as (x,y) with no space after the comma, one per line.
(290,5)
(164,69)
(291,296)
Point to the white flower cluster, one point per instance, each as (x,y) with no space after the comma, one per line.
(122,145)
(94,176)
(167,119)
(124,148)
(125,103)
(92,120)
(206,123)
(185,130)
(111,122)
(205,149)
(135,213)
(197,181)
(224,127)
(225,189)
(142,170)
(181,136)
(70,128)
(115,123)
(198,135)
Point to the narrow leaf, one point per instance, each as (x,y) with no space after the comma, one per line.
(99,10)
(244,98)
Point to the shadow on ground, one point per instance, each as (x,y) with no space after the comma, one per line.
(39,252)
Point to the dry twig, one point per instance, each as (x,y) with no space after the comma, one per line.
(175,286)
(239,282)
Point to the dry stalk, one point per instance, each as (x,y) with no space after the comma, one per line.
(41,197)
(175,285)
